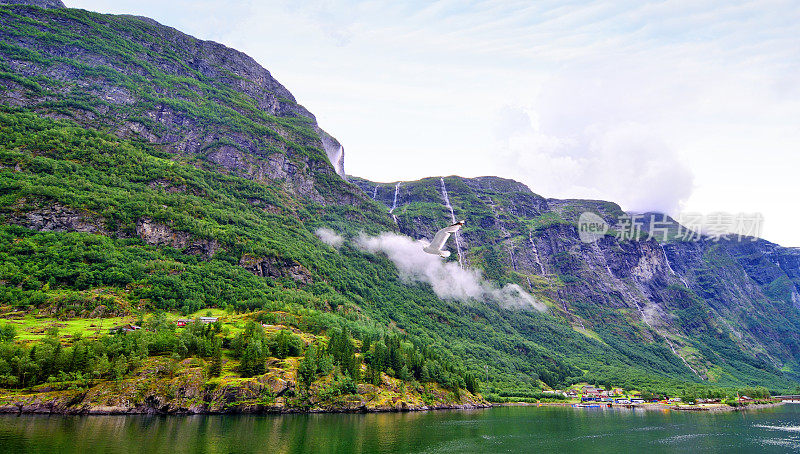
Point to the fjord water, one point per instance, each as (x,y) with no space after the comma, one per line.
(502,429)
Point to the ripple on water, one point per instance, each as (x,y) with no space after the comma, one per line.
(785,428)
(783,442)
(683,437)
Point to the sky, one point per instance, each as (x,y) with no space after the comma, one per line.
(672,106)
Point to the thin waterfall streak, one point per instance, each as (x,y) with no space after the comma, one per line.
(536,253)
(669,266)
(453,217)
(394,202)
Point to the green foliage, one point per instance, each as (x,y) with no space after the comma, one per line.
(284,344)
(8,332)
(343,351)
(252,348)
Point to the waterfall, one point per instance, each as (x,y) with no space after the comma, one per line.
(669,266)
(453,217)
(394,202)
(535,253)
(599,254)
(641,314)
(672,347)
(338,163)
(335,153)
(374,193)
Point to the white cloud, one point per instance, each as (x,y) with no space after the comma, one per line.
(447,279)
(628,163)
(329,237)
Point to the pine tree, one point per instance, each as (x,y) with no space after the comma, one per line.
(307,369)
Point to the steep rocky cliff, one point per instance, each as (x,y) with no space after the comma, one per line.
(698,298)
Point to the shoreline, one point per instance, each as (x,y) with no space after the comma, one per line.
(258,410)
(717,408)
(122,411)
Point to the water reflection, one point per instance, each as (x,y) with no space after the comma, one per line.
(516,429)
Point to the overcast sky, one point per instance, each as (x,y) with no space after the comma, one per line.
(672,105)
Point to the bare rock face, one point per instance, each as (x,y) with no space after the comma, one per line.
(335,152)
(46,4)
(159,234)
(274,267)
(58,218)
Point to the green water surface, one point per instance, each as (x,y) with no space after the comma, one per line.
(501,429)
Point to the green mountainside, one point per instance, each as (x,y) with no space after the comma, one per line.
(147,176)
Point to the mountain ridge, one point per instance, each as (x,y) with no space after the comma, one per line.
(144,172)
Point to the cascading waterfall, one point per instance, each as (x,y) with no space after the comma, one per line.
(599,254)
(536,253)
(394,202)
(672,347)
(669,266)
(338,162)
(374,193)
(453,217)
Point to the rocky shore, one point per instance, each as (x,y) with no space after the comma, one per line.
(161,386)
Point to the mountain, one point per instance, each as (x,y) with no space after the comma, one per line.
(146,176)
(714,304)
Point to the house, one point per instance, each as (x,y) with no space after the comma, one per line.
(745,399)
(571,393)
(182,322)
(637,401)
(207,320)
(124,328)
(617,392)
(557,391)
(591,390)
(622,401)
(678,399)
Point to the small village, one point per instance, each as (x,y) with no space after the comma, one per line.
(588,396)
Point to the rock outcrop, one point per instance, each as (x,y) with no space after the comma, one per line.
(160,234)
(275,268)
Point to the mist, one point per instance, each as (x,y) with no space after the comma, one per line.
(447,279)
(329,237)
